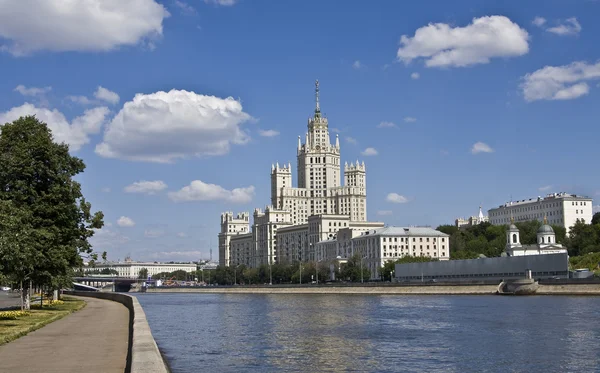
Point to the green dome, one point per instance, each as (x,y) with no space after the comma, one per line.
(545,229)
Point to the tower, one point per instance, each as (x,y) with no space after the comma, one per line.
(545,234)
(231,226)
(318,159)
(512,235)
(281,177)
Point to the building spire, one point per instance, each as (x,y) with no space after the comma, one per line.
(317,107)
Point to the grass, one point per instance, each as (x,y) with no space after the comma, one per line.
(13,329)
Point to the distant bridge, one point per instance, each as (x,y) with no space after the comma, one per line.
(120,284)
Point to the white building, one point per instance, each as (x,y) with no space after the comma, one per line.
(560,209)
(392,243)
(310,212)
(131,269)
(471,221)
(546,242)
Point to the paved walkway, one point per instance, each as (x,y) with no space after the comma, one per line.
(93,339)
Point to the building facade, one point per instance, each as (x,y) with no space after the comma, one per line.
(471,221)
(559,208)
(546,242)
(131,269)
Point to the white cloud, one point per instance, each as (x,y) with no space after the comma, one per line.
(369,152)
(485,38)
(166,126)
(351,140)
(185,8)
(82,100)
(396,198)
(410,119)
(268,133)
(200,191)
(560,82)
(146,187)
(595,209)
(545,188)
(570,27)
(32,91)
(221,2)
(357,65)
(384,212)
(106,95)
(386,66)
(125,221)
(539,21)
(385,124)
(75,134)
(415,76)
(481,147)
(104,239)
(91,25)
(335,130)
(182,235)
(105,190)
(154,233)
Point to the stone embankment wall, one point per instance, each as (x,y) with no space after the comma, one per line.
(379,290)
(439,289)
(143,355)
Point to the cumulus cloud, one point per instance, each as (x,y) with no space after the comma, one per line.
(415,76)
(91,25)
(146,187)
(396,198)
(108,239)
(410,119)
(125,221)
(357,65)
(384,212)
(369,152)
(75,134)
(166,126)
(106,95)
(545,188)
(82,100)
(201,191)
(570,27)
(539,21)
(268,133)
(485,38)
(221,2)
(481,147)
(560,82)
(32,91)
(351,140)
(385,124)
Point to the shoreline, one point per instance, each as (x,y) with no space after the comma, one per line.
(437,289)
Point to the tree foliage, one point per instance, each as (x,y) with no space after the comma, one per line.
(390,265)
(53,220)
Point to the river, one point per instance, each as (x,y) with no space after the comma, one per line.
(370,333)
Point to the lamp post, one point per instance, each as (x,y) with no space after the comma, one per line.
(270,271)
(361,268)
(300,273)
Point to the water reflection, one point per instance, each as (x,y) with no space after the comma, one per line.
(352,333)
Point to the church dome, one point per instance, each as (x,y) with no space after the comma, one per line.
(513,227)
(545,229)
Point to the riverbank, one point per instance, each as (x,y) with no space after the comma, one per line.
(38,317)
(430,289)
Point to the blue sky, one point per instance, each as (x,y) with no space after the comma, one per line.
(477,102)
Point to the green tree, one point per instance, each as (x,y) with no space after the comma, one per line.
(143,274)
(351,271)
(36,176)
(596,218)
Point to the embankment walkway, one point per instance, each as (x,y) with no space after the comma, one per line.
(94,339)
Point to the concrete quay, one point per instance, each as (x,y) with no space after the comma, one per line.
(143,355)
(93,339)
(429,289)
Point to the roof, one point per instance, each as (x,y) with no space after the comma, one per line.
(545,229)
(549,197)
(406,231)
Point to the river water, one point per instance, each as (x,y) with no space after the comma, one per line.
(370,333)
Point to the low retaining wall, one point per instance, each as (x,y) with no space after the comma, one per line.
(143,355)
(378,290)
(570,289)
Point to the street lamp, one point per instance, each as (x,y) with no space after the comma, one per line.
(270,271)
(300,273)
(361,268)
